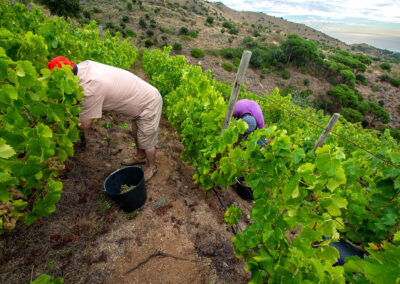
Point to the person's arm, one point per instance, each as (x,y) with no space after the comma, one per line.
(85,123)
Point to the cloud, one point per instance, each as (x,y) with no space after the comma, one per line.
(378,10)
(376,22)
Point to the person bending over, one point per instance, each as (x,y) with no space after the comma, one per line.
(107,88)
(250,112)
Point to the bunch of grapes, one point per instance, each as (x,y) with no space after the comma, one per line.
(7,220)
(54,164)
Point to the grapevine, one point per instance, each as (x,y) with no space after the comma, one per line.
(304,200)
(38,108)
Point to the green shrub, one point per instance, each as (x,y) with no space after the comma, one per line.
(299,50)
(236,61)
(166,30)
(395,133)
(250,42)
(197,53)
(212,51)
(210,20)
(396,82)
(333,81)
(227,25)
(233,31)
(130,33)
(285,74)
(385,78)
(279,66)
(351,114)
(142,23)
(306,82)
(87,14)
(109,26)
(122,25)
(183,31)
(359,95)
(148,43)
(129,6)
(193,34)
(97,10)
(386,66)
(223,30)
(65,8)
(256,33)
(229,53)
(381,103)
(379,112)
(125,19)
(348,77)
(306,93)
(227,66)
(177,46)
(149,33)
(375,88)
(363,107)
(344,95)
(361,78)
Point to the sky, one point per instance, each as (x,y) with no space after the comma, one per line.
(375,22)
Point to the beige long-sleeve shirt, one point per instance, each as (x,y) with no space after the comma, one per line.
(107,88)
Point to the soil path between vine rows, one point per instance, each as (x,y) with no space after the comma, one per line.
(89,240)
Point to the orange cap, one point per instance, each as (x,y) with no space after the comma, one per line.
(56,61)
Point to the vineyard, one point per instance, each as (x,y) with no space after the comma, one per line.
(304,199)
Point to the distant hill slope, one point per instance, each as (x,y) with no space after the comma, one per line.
(184,25)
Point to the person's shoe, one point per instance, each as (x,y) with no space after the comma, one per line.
(149,173)
(133,161)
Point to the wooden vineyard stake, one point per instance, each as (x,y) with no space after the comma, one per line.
(101,32)
(327,129)
(244,63)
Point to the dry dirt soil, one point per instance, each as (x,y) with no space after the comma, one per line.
(177,236)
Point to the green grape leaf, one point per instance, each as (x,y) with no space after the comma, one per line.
(326,165)
(395,157)
(396,237)
(309,235)
(382,273)
(6,151)
(8,93)
(298,155)
(338,179)
(354,265)
(44,130)
(4,196)
(334,204)
(291,189)
(328,253)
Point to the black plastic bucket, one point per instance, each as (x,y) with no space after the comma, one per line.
(243,190)
(345,250)
(130,200)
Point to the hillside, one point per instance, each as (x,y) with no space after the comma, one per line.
(57,221)
(162,23)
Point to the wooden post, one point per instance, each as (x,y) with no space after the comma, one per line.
(101,32)
(244,63)
(327,129)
